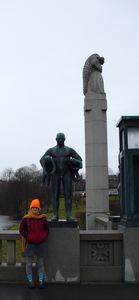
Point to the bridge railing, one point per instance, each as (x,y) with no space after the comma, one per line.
(101,256)
(11,236)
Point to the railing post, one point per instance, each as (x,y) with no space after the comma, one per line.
(23,259)
(11,252)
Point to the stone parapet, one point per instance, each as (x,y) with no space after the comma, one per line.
(101,256)
(62,262)
(131,252)
(71,256)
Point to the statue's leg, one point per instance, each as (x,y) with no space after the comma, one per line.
(48,179)
(43,179)
(67,186)
(55,195)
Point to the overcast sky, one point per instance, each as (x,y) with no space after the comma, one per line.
(43,47)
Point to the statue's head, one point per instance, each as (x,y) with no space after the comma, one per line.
(97,56)
(60,138)
(101,60)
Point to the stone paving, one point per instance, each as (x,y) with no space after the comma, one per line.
(70,291)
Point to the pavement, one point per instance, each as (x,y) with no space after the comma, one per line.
(70,291)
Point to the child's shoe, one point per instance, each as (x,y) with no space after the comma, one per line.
(31,284)
(41,285)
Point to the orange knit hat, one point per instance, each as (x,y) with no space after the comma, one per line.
(35,203)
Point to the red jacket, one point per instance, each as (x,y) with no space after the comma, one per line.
(34,230)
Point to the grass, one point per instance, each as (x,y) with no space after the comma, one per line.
(62,212)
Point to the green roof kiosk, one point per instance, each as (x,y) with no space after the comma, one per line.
(129,170)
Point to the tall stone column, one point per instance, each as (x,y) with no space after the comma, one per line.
(97,203)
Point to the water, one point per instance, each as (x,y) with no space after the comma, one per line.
(6,222)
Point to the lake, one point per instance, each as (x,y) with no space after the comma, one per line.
(6,222)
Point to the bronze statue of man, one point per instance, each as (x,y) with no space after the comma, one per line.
(66,162)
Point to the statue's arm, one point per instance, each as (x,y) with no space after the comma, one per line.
(97,65)
(48,152)
(74,154)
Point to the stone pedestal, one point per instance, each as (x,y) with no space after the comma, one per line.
(131,253)
(62,262)
(96,157)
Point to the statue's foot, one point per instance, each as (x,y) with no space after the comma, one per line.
(70,219)
(55,218)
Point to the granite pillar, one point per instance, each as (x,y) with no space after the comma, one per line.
(131,253)
(97,203)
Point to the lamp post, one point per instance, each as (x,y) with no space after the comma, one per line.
(129,170)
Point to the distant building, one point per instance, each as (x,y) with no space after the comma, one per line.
(79,187)
(113,181)
(113,192)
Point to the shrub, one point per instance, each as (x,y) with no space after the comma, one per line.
(114,207)
(80,217)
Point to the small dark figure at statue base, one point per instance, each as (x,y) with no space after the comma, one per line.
(60,165)
(48,170)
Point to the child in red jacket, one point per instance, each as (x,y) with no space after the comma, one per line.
(34,228)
